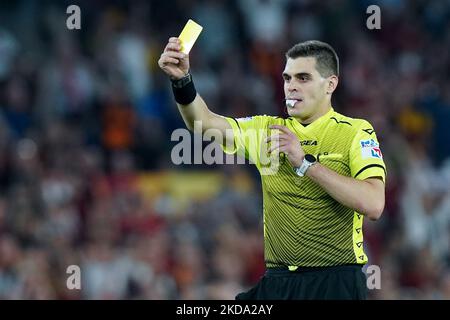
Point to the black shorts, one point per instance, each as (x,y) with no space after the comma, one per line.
(346,282)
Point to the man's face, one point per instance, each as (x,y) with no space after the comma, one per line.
(303,83)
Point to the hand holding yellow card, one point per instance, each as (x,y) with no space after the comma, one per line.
(189,35)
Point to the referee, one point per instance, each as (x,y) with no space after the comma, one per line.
(330,175)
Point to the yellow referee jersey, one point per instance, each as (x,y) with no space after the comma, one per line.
(303,225)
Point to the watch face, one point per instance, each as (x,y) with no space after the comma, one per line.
(310,158)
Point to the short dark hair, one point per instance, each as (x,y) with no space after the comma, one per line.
(327,61)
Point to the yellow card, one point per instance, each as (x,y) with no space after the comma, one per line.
(189,35)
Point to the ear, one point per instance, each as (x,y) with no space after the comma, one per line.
(332,84)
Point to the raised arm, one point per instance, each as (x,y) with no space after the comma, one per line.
(190,104)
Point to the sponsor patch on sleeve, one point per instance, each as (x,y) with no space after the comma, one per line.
(370,149)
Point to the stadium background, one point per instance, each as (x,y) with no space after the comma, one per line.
(86,118)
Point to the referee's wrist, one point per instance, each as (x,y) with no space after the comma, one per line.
(179,82)
(308,161)
(184,90)
(312,169)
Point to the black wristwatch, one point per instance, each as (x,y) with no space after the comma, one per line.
(180,83)
(308,161)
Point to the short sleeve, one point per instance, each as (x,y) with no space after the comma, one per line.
(366,158)
(247,133)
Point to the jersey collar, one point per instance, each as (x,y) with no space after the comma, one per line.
(313,124)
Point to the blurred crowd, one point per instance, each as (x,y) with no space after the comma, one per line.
(86,118)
